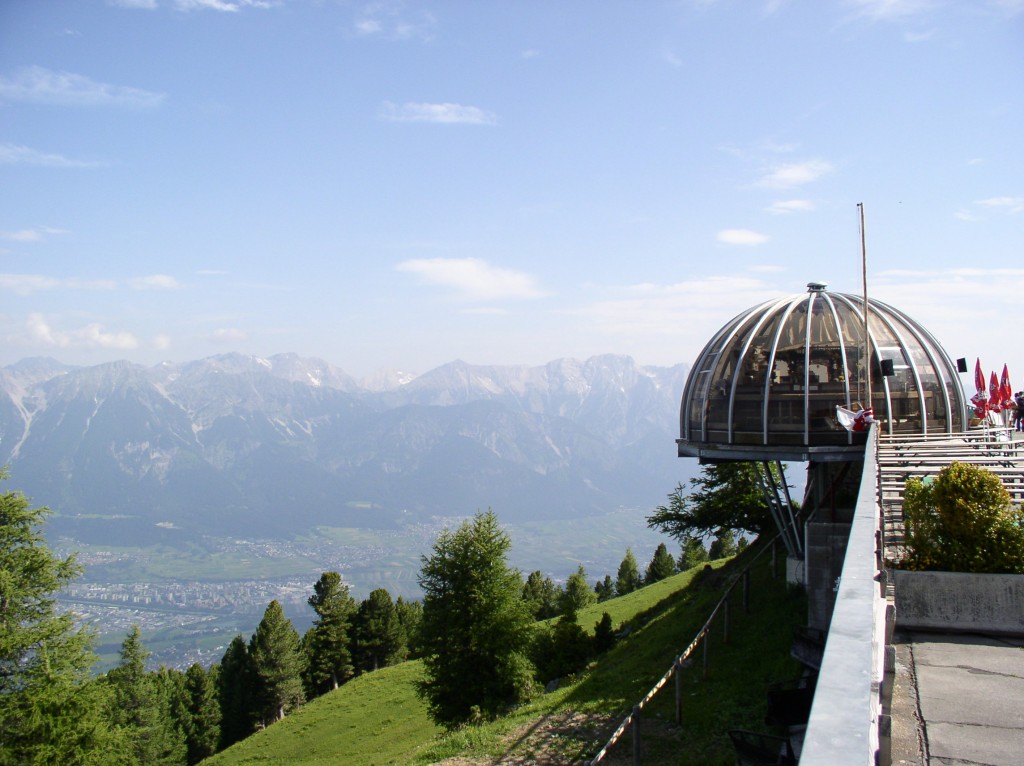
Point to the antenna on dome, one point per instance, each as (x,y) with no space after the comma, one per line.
(867,337)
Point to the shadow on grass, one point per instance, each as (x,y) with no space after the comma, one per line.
(739,672)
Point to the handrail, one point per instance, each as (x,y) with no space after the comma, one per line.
(677,663)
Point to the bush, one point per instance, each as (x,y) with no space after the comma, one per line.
(962,521)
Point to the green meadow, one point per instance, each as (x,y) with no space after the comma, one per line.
(378,719)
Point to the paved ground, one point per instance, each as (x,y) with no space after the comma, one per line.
(958,700)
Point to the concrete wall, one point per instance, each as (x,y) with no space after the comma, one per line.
(843,729)
(984,603)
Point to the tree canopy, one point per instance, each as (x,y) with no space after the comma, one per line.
(724,496)
(276,665)
(476,627)
(49,709)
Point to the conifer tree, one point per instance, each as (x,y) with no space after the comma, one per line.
(726,495)
(141,708)
(723,546)
(50,711)
(541,595)
(662,565)
(276,665)
(409,614)
(628,579)
(604,634)
(476,628)
(694,554)
(577,594)
(236,694)
(328,643)
(378,638)
(203,732)
(604,589)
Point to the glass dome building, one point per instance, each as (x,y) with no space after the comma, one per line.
(767,385)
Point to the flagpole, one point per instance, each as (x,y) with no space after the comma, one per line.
(864,276)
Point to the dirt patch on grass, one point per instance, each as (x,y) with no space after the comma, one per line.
(562,739)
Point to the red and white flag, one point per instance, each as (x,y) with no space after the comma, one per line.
(995,396)
(858,421)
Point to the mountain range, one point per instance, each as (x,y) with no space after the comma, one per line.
(269,447)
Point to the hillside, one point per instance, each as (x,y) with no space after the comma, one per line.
(377,718)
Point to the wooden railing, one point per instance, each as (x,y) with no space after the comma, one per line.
(632,721)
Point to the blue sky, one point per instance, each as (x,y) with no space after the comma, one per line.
(402,184)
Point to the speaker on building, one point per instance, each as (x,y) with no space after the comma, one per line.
(887,368)
(961,365)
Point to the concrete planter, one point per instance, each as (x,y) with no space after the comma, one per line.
(982,603)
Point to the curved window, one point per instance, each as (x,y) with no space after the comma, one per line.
(776,373)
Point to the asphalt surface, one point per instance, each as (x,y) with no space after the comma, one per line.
(958,700)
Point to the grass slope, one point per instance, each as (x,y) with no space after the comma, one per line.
(377,718)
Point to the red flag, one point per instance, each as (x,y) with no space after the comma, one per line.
(1005,389)
(979,376)
(995,396)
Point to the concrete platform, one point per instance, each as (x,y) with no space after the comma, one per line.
(958,700)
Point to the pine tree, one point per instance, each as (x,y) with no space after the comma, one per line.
(376,631)
(723,546)
(50,711)
(327,643)
(725,495)
(476,627)
(236,689)
(628,579)
(577,594)
(409,614)
(276,665)
(541,596)
(141,708)
(604,589)
(203,732)
(694,554)
(661,566)
(604,634)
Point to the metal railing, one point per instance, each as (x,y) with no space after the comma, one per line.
(632,721)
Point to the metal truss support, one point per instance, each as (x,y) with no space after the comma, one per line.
(776,494)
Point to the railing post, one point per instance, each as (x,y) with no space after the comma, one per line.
(746,591)
(636,735)
(679,692)
(705,641)
(725,618)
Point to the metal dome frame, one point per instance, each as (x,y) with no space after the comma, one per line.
(767,383)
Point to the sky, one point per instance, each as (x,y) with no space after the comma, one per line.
(397,185)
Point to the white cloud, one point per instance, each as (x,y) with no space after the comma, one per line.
(687,313)
(155,282)
(795,174)
(224,6)
(228,335)
(887,10)
(1009,204)
(741,237)
(37,85)
(26,284)
(29,235)
(92,335)
(13,154)
(784,207)
(393,20)
(147,5)
(473,278)
(441,113)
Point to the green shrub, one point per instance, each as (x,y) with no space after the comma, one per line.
(962,521)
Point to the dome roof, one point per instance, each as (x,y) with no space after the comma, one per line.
(767,385)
